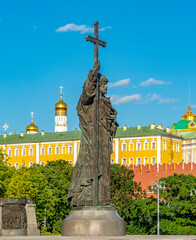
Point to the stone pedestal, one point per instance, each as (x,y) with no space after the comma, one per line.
(31,220)
(93,221)
(17,217)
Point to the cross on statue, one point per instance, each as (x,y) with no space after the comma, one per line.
(61,89)
(5,127)
(96,42)
(95,186)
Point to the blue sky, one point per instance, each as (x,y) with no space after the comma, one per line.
(149,58)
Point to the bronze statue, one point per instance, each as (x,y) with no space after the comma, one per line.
(91,175)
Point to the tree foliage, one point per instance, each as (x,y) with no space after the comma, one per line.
(178,208)
(48,187)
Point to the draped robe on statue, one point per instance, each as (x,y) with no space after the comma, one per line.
(80,192)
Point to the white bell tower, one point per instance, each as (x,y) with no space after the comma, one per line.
(60,114)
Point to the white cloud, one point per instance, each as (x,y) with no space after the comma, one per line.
(120,83)
(71,27)
(130,98)
(160,100)
(152,81)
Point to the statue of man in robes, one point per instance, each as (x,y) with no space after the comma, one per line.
(81,191)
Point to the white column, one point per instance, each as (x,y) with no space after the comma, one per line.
(75,152)
(37,153)
(116,150)
(158,152)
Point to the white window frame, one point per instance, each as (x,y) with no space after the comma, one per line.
(70,162)
(24,164)
(63,149)
(30,151)
(70,149)
(24,151)
(16,152)
(42,150)
(57,150)
(9,152)
(138,159)
(144,143)
(177,147)
(138,143)
(153,142)
(131,161)
(49,150)
(112,161)
(153,158)
(164,145)
(123,146)
(124,161)
(42,163)
(131,143)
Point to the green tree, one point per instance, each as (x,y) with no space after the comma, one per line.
(178,208)
(30,183)
(6,174)
(58,174)
(127,196)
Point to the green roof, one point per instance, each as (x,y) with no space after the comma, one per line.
(76,135)
(38,137)
(186,135)
(182,124)
(143,131)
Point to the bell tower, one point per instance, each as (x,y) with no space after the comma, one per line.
(61,114)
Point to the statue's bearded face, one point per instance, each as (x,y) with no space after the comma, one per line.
(103,84)
(103,87)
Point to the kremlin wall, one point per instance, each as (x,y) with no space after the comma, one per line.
(148,174)
(150,151)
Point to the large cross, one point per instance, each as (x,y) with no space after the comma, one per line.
(95,185)
(5,127)
(96,42)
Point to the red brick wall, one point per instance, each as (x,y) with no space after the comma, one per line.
(147,174)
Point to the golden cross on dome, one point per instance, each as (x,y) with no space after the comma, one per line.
(32,116)
(61,89)
(5,127)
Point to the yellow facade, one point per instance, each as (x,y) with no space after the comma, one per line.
(127,150)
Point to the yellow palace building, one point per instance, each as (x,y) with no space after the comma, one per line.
(131,145)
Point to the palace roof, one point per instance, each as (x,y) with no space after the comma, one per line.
(76,135)
(182,124)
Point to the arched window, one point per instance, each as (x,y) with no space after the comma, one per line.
(57,151)
(124,146)
(138,146)
(49,150)
(70,149)
(23,151)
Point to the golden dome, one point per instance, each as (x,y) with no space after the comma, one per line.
(32,127)
(61,106)
(189,115)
